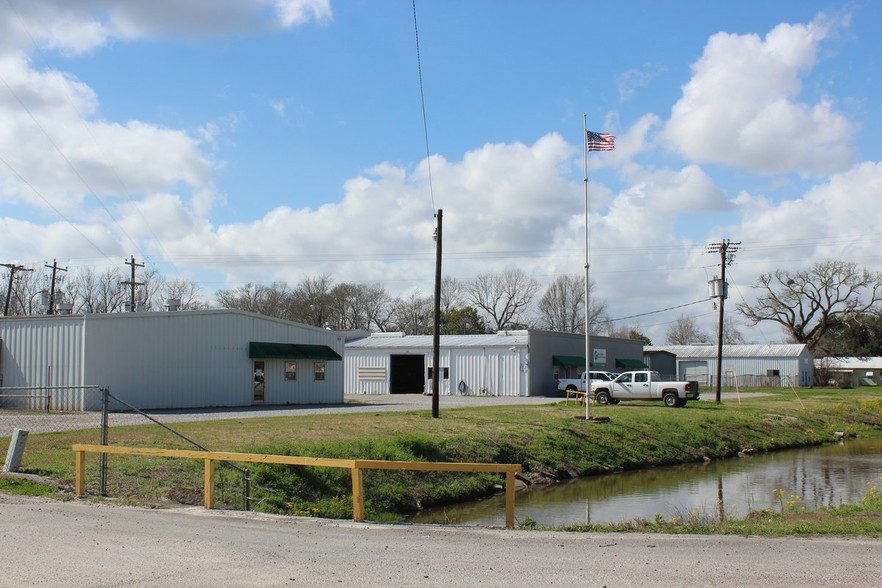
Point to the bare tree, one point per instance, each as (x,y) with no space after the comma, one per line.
(731,333)
(453,294)
(187,291)
(685,331)
(312,300)
(97,291)
(273,300)
(504,297)
(562,307)
(28,293)
(806,303)
(413,315)
(379,307)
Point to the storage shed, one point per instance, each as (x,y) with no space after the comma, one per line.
(508,363)
(743,365)
(183,359)
(849,372)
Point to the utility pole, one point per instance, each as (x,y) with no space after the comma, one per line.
(436,332)
(55,269)
(12,269)
(132,281)
(727,250)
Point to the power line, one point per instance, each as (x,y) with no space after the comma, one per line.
(416,31)
(657,311)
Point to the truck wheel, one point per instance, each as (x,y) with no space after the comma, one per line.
(681,403)
(602,398)
(670,399)
(571,387)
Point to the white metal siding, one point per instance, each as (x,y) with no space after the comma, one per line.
(366,359)
(44,351)
(200,359)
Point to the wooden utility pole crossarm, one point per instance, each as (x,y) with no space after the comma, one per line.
(12,269)
(55,269)
(727,250)
(132,281)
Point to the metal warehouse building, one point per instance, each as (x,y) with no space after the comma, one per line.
(508,363)
(743,365)
(184,359)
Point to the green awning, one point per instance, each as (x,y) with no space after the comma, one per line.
(568,360)
(631,364)
(257,350)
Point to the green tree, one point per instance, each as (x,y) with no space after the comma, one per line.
(858,335)
(462,321)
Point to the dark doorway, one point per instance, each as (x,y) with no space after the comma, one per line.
(259,382)
(407,374)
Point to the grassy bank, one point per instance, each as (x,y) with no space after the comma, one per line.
(550,441)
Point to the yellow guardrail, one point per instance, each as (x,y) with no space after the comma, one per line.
(355,465)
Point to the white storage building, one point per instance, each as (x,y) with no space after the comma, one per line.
(508,363)
(849,372)
(183,359)
(743,365)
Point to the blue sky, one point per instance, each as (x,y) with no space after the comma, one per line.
(230,141)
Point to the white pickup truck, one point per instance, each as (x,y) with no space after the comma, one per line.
(579,385)
(643,385)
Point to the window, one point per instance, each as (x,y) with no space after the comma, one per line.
(290,370)
(319,370)
(445,373)
(640,377)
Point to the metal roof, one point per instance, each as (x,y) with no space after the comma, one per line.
(732,351)
(401,341)
(853,363)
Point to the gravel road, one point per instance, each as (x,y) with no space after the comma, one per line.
(84,544)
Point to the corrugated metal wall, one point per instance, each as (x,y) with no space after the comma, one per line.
(495,371)
(200,359)
(744,371)
(367,372)
(44,351)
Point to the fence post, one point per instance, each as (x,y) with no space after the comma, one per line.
(208,490)
(102,468)
(246,474)
(357,495)
(80,467)
(509,498)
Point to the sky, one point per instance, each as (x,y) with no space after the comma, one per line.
(236,141)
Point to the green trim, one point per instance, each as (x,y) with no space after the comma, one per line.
(631,364)
(568,360)
(258,350)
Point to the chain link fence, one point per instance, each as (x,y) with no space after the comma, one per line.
(60,409)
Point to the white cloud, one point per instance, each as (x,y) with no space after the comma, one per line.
(56,154)
(742,107)
(78,26)
(295,12)
(279,107)
(632,80)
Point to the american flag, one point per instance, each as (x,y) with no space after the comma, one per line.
(600,141)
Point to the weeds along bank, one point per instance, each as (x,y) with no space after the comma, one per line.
(552,442)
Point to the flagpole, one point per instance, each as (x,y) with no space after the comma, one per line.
(587,336)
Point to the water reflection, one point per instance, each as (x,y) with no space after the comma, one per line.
(831,475)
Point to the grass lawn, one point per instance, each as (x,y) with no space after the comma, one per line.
(548,440)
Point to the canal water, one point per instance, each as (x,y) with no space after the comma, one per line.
(731,488)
